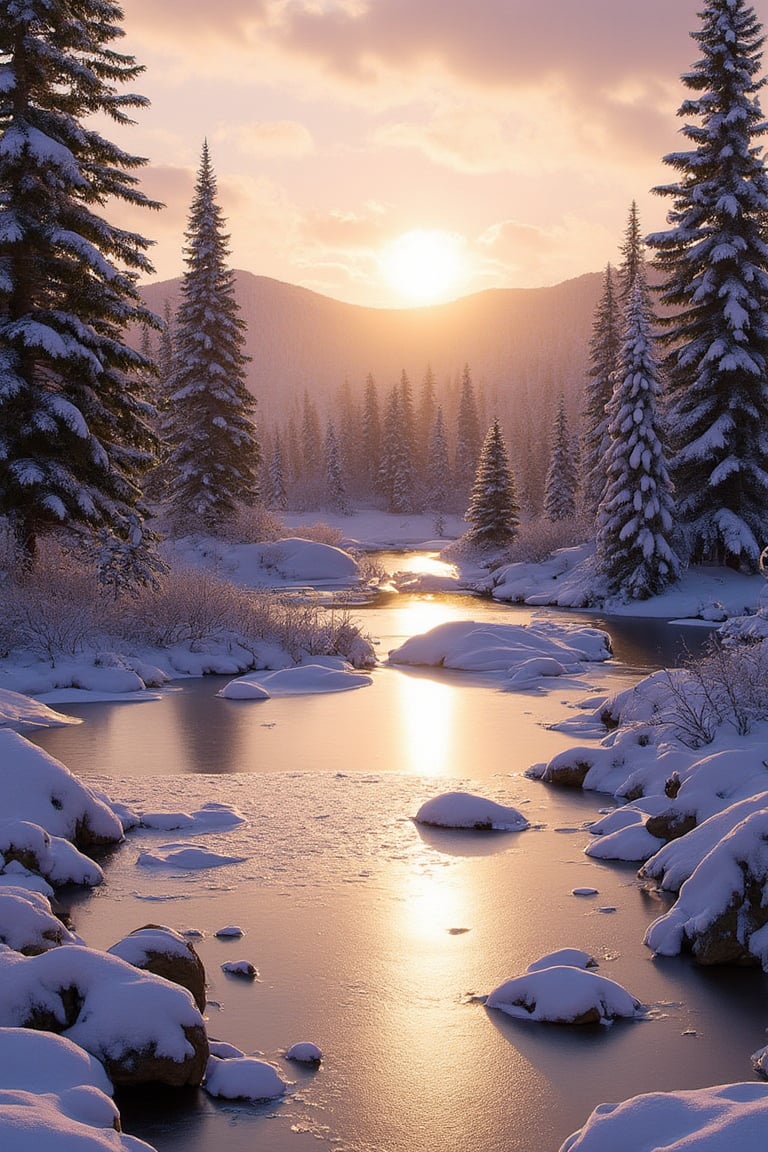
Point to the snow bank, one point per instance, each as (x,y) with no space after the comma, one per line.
(720,1119)
(465,810)
(521,652)
(563,995)
(37,788)
(22,713)
(323,674)
(274,564)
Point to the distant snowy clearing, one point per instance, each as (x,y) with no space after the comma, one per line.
(325,674)
(721,1119)
(464,810)
(522,653)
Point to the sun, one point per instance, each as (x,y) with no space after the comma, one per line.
(424,265)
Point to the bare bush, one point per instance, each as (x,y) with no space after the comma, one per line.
(725,685)
(536,540)
(253,525)
(320,533)
(56,611)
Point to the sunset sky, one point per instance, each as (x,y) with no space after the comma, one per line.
(515,135)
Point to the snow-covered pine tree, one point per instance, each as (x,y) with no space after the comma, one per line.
(562,478)
(604,350)
(214,456)
(439,484)
(635,518)
(715,264)
(493,513)
(334,472)
(278,497)
(469,439)
(632,255)
(426,411)
(371,434)
(396,475)
(74,434)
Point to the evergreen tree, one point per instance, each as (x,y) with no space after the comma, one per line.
(396,478)
(75,439)
(439,484)
(636,514)
(311,469)
(214,457)
(371,434)
(468,439)
(334,473)
(426,412)
(493,512)
(278,498)
(632,258)
(715,264)
(561,484)
(604,348)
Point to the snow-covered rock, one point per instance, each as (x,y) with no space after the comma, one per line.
(164,952)
(141,1027)
(37,788)
(563,995)
(523,653)
(244,1078)
(465,810)
(29,847)
(720,1119)
(719,914)
(568,957)
(305,1052)
(27,923)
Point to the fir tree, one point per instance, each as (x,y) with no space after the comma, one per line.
(715,265)
(334,473)
(214,457)
(632,258)
(636,514)
(439,484)
(604,349)
(396,477)
(371,434)
(468,438)
(493,512)
(74,420)
(278,498)
(561,484)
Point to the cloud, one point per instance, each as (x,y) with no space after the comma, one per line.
(269,138)
(511,253)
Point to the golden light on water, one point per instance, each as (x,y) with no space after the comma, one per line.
(426,713)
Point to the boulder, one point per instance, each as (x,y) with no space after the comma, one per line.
(164,952)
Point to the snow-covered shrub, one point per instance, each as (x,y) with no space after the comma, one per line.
(538,539)
(725,685)
(53,612)
(252,525)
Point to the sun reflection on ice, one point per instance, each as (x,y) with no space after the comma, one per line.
(426,712)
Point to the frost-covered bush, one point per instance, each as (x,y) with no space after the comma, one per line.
(538,539)
(320,533)
(252,525)
(726,685)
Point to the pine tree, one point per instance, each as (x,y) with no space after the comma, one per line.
(371,434)
(715,264)
(468,439)
(334,473)
(439,484)
(396,477)
(214,457)
(561,484)
(278,498)
(74,434)
(426,412)
(604,348)
(636,515)
(493,512)
(632,255)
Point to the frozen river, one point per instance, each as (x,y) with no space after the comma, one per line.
(371,935)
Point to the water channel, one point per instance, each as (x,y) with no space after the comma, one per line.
(371,935)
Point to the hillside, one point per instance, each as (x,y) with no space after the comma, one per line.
(523,345)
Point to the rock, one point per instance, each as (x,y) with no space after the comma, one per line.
(670,825)
(164,952)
